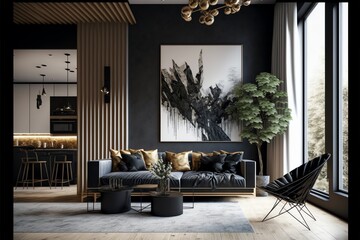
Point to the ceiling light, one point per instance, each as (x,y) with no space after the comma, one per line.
(209,9)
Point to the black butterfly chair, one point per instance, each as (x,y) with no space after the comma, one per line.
(294,187)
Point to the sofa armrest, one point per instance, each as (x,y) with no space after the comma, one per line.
(248,171)
(97,169)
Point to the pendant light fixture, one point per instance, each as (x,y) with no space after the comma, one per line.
(68,106)
(43,90)
(209,9)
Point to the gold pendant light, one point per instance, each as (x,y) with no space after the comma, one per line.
(209,10)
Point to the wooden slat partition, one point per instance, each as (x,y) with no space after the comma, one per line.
(101,125)
(72,12)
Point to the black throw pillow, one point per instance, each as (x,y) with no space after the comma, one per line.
(212,163)
(232,162)
(134,162)
(122,166)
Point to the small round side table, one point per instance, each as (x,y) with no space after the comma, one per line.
(115,200)
(167,205)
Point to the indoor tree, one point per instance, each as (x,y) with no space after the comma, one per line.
(263,110)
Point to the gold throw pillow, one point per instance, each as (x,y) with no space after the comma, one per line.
(180,161)
(150,157)
(116,160)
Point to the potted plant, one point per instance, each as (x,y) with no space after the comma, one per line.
(262,109)
(162,170)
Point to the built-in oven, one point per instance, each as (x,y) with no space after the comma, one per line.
(63,115)
(63,125)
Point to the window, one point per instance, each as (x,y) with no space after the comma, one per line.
(324,30)
(315,89)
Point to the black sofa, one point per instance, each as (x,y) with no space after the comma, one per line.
(190,183)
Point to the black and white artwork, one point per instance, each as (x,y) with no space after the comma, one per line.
(196,82)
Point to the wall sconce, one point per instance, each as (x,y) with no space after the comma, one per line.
(106,88)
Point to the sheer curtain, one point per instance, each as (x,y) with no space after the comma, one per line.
(285,152)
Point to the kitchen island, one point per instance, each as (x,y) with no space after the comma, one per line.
(48,155)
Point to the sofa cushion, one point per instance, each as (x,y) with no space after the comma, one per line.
(191,179)
(140,177)
(117,163)
(130,178)
(225,180)
(180,161)
(212,163)
(134,162)
(211,180)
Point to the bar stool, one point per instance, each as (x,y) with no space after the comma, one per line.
(66,169)
(29,163)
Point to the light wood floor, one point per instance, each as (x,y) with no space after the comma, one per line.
(327,227)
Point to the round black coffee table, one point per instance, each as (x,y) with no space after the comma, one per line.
(167,205)
(115,200)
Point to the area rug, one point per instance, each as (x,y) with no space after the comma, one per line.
(73,218)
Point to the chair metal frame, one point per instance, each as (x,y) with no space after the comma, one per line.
(293,189)
(25,168)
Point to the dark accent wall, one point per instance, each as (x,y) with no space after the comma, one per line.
(162,24)
(44,36)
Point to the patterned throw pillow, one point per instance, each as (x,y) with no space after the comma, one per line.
(180,161)
(150,157)
(117,163)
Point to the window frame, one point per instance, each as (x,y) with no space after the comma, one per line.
(336,201)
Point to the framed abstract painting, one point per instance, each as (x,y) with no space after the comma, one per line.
(195,88)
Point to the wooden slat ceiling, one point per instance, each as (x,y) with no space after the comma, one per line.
(72,12)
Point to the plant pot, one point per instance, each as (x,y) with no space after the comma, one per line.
(262,180)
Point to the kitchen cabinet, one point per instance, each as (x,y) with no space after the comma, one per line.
(39,117)
(61,90)
(27,117)
(21,108)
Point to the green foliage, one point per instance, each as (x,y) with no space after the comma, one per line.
(262,108)
(161,169)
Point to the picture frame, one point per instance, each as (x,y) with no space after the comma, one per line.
(195,88)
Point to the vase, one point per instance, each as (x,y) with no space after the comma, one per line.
(163,186)
(262,180)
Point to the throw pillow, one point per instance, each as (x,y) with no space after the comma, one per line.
(180,161)
(231,153)
(231,161)
(150,157)
(231,164)
(132,151)
(124,151)
(212,163)
(138,151)
(117,163)
(134,162)
(195,159)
